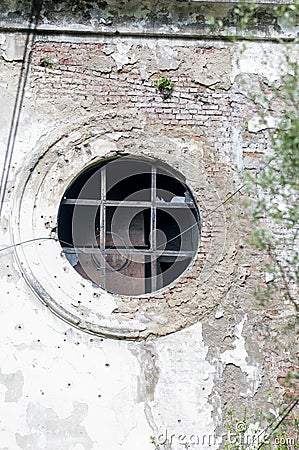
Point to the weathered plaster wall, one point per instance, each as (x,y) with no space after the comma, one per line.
(179,17)
(205,343)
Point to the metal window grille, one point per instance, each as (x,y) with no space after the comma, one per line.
(130,225)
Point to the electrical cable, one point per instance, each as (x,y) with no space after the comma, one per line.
(209,213)
(239,189)
(170,240)
(281,418)
(33,20)
(123,266)
(28,241)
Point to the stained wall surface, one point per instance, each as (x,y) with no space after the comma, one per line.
(81,368)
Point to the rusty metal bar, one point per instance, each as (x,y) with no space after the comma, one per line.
(131,251)
(103,227)
(81,201)
(131,204)
(153,234)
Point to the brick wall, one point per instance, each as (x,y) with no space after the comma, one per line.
(86,73)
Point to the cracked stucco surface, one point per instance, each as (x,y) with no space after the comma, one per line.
(62,388)
(163,17)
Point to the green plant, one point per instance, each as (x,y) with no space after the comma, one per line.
(154,442)
(46,63)
(262,432)
(278,191)
(165,86)
(275,212)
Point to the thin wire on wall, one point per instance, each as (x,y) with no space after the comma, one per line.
(68,243)
(15,120)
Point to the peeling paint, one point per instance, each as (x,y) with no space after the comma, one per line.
(239,358)
(256,124)
(13,48)
(54,432)
(14,384)
(181,401)
(200,346)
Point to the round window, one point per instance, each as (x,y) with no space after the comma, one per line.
(129,225)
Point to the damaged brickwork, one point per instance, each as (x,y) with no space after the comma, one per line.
(183,355)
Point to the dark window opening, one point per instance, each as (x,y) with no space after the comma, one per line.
(129,225)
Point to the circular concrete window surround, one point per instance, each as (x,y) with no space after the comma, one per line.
(34,216)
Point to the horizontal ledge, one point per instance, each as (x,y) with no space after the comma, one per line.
(235,2)
(40,31)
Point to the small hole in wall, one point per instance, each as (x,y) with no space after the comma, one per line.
(107,365)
